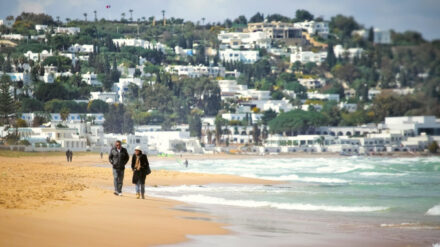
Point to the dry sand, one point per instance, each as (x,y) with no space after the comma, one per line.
(45,201)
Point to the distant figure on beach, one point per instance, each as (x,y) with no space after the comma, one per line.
(141,168)
(186,163)
(69,155)
(101,154)
(118,157)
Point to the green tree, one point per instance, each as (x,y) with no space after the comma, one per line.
(433,147)
(296,121)
(268,116)
(303,15)
(7,104)
(97,106)
(64,113)
(195,125)
(258,17)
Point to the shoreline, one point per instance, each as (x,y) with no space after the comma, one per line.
(49,202)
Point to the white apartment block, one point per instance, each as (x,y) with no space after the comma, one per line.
(237,40)
(230,89)
(248,56)
(196,71)
(307,56)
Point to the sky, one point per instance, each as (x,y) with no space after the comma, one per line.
(401,15)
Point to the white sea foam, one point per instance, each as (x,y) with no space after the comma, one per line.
(294,177)
(376,174)
(413,226)
(435,211)
(202,199)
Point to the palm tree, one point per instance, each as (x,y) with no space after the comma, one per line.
(85,16)
(122,16)
(67,19)
(203,21)
(131,14)
(143,18)
(96,16)
(163,18)
(58,20)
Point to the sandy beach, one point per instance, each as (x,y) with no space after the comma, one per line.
(46,201)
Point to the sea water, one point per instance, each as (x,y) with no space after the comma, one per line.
(401,193)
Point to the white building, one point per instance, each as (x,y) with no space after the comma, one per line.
(255,117)
(276,105)
(14,36)
(237,40)
(81,48)
(313,27)
(350,52)
(312,83)
(350,107)
(230,89)
(140,43)
(323,96)
(7,23)
(382,36)
(40,27)
(108,97)
(35,56)
(307,56)
(196,71)
(373,93)
(121,87)
(416,124)
(91,79)
(230,55)
(183,52)
(67,30)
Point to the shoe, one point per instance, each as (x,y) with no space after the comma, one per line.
(143,196)
(116,193)
(138,195)
(120,194)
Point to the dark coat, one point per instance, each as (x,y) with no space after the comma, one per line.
(118,159)
(143,172)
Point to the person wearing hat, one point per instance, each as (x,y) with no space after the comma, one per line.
(141,168)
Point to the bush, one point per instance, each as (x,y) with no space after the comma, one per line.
(433,147)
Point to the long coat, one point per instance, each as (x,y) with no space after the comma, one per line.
(143,172)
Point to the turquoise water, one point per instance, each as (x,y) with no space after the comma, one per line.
(346,201)
(398,190)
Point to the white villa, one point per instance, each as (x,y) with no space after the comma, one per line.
(237,40)
(196,71)
(244,56)
(307,56)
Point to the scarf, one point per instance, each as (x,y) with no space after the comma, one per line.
(137,165)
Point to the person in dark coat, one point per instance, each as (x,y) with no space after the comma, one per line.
(141,168)
(118,157)
(68,155)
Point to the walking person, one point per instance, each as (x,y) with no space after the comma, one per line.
(68,155)
(118,157)
(141,168)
